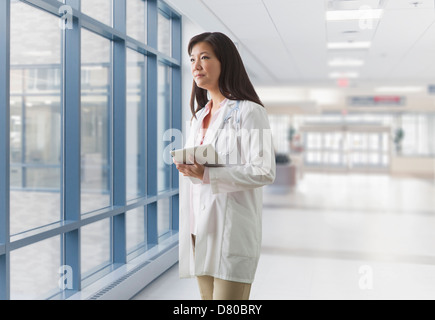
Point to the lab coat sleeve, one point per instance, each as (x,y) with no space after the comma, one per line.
(190,143)
(257,150)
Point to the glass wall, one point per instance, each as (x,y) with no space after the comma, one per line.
(347,149)
(35,117)
(136,119)
(163,124)
(136,26)
(368,141)
(87,188)
(95,121)
(100,10)
(418,133)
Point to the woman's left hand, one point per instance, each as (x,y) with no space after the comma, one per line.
(195,170)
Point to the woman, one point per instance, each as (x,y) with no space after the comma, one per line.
(221,206)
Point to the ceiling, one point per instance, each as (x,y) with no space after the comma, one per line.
(285,42)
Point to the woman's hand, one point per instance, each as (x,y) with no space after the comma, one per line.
(195,170)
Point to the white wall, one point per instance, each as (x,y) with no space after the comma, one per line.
(190,29)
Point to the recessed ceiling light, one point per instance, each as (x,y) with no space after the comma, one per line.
(344,75)
(346,62)
(365,13)
(350,45)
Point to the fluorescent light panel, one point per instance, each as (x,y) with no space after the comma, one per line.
(346,75)
(343,62)
(365,13)
(350,45)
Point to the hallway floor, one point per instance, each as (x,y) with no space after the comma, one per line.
(338,236)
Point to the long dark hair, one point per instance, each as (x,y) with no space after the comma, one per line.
(234,82)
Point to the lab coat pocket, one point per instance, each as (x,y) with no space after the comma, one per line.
(241,236)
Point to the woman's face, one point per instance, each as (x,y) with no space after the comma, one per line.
(206,68)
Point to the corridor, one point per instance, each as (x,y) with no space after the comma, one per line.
(339,236)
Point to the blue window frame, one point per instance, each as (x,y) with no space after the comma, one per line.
(82,113)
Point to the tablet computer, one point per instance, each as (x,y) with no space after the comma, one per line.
(205,155)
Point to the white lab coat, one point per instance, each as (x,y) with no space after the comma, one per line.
(229,226)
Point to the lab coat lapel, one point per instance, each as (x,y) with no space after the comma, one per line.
(214,129)
(194,129)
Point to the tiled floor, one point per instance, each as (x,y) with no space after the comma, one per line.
(339,236)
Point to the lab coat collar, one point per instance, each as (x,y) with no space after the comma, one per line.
(213,130)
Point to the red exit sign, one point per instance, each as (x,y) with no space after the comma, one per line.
(387,99)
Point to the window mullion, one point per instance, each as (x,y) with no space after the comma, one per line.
(119,134)
(152,167)
(72,145)
(4,146)
(176,113)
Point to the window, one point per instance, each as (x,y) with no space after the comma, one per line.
(95,247)
(136,119)
(100,10)
(164,124)
(136,24)
(83,184)
(352,142)
(417,130)
(35,147)
(95,122)
(164,34)
(35,269)
(164,218)
(136,230)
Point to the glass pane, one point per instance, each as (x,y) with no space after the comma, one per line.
(163,124)
(35,144)
(136,27)
(42,178)
(409,137)
(334,158)
(374,159)
(327,140)
(164,34)
(373,141)
(100,10)
(136,234)
(95,117)
(163,216)
(16,177)
(16,79)
(16,130)
(135,125)
(385,142)
(95,246)
(42,120)
(35,270)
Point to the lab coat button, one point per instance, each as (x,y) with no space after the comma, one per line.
(203,207)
